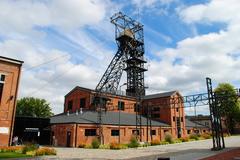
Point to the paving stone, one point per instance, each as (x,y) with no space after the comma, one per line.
(182,151)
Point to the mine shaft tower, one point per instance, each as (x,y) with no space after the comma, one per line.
(129,57)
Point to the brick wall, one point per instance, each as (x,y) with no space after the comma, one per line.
(8,100)
(76,94)
(78,137)
(75,97)
(172,114)
(168,113)
(194,130)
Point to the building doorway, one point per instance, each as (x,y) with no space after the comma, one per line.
(179,127)
(68,138)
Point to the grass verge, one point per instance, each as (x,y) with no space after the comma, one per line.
(5,155)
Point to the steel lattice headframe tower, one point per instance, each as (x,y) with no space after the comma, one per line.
(129,57)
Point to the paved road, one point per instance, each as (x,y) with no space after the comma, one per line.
(183,151)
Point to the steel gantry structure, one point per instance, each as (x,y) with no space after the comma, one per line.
(212,99)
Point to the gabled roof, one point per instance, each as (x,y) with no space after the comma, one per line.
(79,88)
(199,117)
(151,96)
(159,95)
(190,124)
(93,91)
(10,60)
(108,118)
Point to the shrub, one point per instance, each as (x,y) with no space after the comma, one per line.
(115,145)
(124,146)
(226,135)
(206,136)
(29,147)
(88,146)
(177,140)
(168,137)
(155,142)
(144,144)
(95,143)
(104,146)
(194,136)
(164,143)
(19,151)
(133,142)
(81,145)
(184,139)
(11,149)
(31,153)
(45,151)
(201,138)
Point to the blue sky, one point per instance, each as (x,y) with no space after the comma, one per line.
(185,41)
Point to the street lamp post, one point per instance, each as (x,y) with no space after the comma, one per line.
(119,109)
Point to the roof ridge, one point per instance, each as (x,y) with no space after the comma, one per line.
(110,117)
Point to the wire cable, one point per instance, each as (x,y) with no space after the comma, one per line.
(46,62)
(53,79)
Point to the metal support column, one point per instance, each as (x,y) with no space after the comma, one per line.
(218,140)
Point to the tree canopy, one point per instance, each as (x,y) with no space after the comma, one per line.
(228,104)
(33,107)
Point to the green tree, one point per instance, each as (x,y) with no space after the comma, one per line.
(33,107)
(228,105)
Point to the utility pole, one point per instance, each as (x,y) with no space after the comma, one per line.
(119,122)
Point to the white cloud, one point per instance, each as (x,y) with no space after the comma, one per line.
(203,55)
(183,68)
(198,110)
(23,16)
(92,46)
(21,50)
(158,7)
(66,13)
(164,37)
(214,11)
(18,22)
(16,16)
(51,81)
(150,3)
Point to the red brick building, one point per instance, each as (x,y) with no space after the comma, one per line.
(10,70)
(194,127)
(171,113)
(78,123)
(74,129)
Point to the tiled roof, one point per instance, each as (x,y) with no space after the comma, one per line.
(190,124)
(164,94)
(80,88)
(108,118)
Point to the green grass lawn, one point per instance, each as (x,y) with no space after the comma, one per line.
(12,155)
